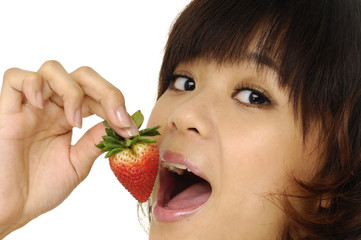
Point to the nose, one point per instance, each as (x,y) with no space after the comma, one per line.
(193,117)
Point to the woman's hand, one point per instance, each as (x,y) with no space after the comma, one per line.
(39,167)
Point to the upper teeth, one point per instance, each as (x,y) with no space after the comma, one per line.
(175,167)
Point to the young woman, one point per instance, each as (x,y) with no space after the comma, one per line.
(260,103)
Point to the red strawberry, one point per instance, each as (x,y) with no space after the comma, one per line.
(134,161)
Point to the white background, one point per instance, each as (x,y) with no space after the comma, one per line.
(124,42)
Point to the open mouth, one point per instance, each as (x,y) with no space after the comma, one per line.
(181,192)
(185,189)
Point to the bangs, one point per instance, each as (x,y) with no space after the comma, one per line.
(228,31)
(307,42)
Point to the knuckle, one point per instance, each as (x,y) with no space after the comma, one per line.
(8,74)
(49,65)
(83,71)
(14,75)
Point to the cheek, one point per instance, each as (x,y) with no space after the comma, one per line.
(159,115)
(262,160)
(251,171)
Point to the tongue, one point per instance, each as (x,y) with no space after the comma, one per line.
(192,197)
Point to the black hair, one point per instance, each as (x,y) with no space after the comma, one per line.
(316,48)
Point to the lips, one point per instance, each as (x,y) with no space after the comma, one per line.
(183,189)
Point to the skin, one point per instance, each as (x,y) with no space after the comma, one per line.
(246,152)
(38,111)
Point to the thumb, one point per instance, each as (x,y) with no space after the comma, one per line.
(84,152)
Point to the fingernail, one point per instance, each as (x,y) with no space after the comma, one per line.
(123,117)
(39,99)
(78,118)
(132,132)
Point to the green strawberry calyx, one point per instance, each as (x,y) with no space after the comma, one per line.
(113,143)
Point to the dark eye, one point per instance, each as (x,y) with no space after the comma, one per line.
(183,83)
(251,97)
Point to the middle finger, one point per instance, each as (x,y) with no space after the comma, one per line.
(107,100)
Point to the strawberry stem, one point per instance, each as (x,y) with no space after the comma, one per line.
(113,143)
(138,118)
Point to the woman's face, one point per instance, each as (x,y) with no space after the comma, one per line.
(231,126)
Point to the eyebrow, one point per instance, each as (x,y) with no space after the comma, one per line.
(262,60)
